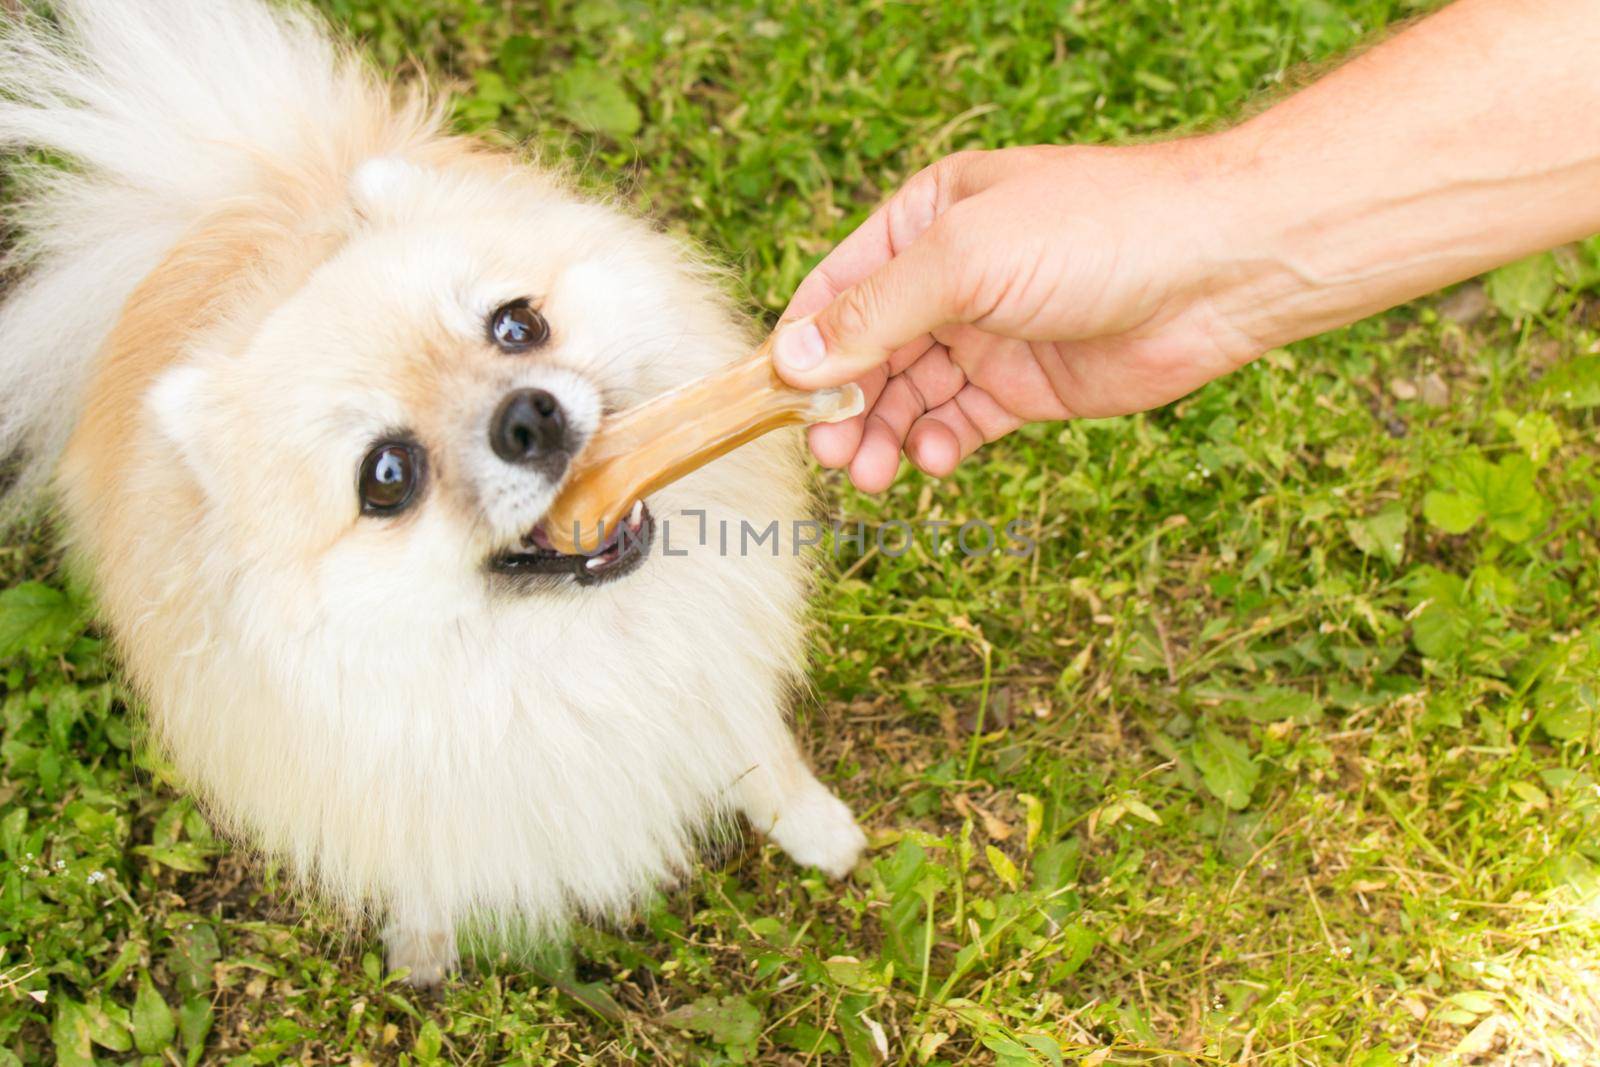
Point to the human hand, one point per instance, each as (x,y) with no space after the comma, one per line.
(998,288)
(1044,283)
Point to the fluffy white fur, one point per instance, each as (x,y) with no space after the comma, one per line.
(258,262)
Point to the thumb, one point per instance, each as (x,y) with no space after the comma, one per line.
(908,296)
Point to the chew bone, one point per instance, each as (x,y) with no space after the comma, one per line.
(665,438)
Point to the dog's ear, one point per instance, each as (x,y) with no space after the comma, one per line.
(178,402)
(382,184)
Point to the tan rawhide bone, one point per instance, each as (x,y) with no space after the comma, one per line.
(661,440)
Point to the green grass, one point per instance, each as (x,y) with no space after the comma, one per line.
(1281,750)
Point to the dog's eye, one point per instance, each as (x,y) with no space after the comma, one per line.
(389,477)
(518,326)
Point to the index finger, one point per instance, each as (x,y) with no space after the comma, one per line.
(885,233)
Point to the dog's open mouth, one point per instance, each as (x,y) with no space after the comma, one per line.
(623,550)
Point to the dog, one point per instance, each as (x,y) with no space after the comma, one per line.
(301,372)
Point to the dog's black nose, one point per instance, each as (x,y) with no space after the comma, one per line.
(529,427)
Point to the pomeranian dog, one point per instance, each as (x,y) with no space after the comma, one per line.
(302,373)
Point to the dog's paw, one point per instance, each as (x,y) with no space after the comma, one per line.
(817,830)
(430,955)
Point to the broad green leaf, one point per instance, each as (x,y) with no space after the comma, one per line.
(1568,722)
(1512,500)
(194,1023)
(803,1037)
(1443,710)
(37,618)
(69,1032)
(1442,624)
(1524,287)
(1055,865)
(863,1038)
(1492,587)
(930,1043)
(1034,809)
(1382,535)
(1225,765)
(153,1024)
(1451,512)
(109,1025)
(1574,385)
(847,971)
(1477,1003)
(1531,793)
(1275,703)
(194,950)
(595,100)
(429,1041)
(1008,1053)
(727,1021)
(130,953)
(1439,630)
(1142,810)
(1080,944)
(1535,432)
(1002,865)
(1046,1046)
(1569,707)
(1578,265)
(12,826)
(1567,698)
(185,856)
(1504,492)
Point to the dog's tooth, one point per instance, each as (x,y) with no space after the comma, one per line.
(594,563)
(636,516)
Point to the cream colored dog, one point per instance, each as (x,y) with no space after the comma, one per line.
(307,372)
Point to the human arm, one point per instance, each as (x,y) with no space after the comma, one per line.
(997,288)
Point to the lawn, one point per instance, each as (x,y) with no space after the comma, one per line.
(1280,749)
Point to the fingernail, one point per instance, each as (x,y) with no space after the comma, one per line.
(800,347)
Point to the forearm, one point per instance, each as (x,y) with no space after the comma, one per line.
(1467,141)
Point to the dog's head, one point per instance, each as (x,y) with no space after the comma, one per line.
(407,413)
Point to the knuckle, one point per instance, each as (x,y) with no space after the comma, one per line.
(957,163)
(937,187)
(853,314)
(916,207)
(959,173)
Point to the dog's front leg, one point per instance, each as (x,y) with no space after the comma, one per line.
(783,799)
(423,944)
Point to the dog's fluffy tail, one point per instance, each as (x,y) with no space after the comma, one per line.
(122,124)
